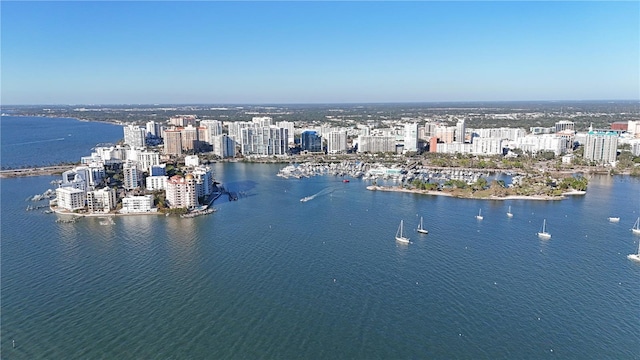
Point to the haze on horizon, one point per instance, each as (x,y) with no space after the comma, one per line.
(317,52)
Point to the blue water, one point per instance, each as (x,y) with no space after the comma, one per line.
(270,277)
(41,141)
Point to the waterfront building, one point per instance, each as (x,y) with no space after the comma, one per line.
(70,198)
(135,136)
(460,131)
(311,141)
(191,160)
(181,192)
(223,146)
(101,200)
(172,142)
(601,146)
(375,144)
(263,141)
(157,182)
(203,176)
(290,130)
(131,178)
(337,142)
(189,137)
(137,204)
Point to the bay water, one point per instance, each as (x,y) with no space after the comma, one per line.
(268,276)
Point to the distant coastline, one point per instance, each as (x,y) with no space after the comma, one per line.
(500,198)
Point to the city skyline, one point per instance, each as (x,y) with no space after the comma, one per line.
(317,52)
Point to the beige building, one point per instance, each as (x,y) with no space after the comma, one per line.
(181,192)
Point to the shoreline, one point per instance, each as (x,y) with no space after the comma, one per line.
(499,198)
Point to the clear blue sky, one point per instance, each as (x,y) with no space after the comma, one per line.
(317,52)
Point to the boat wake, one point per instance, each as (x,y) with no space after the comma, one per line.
(35,142)
(325,191)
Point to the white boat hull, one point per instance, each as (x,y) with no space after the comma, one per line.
(544,235)
(423,231)
(403,240)
(634,257)
(614,219)
(509,215)
(636,231)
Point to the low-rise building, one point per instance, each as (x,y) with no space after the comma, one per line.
(137,204)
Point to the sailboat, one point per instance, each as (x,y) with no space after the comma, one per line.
(636,227)
(479,216)
(636,256)
(543,234)
(421,229)
(399,236)
(509,213)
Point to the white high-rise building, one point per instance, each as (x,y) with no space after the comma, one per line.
(460,131)
(135,136)
(411,137)
(102,200)
(290,130)
(147,159)
(154,129)
(191,160)
(212,128)
(223,146)
(203,176)
(601,146)
(158,182)
(130,173)
(337,142)
(264,141)
(262,121)
(545,142)
(375,144)
(69,198)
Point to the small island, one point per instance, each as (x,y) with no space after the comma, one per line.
(523,187)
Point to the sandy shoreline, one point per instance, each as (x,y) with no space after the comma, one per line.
(510,197)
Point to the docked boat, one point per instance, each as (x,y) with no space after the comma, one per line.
(636,227)
(543,234)
(614,219)
(421,229)
(399,234)
(509,213)
(479,216)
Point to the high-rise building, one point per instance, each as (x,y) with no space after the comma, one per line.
(310,141)
(375,144)
(290,129)
(223,146)
(158,182)
(69,198)
(203,176)
(336,142)
(181,192)
(172,142)
(189,137)
(147,159)
(263,141)
(135,136)
(212,128)
(102,200)
(411,137)
(460,131)
(564,125)
(601,146)
(130,174)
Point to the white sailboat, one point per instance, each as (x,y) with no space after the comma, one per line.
(509,213)
(543,234)
(399,236)
(479,216)
(636,227)
(614,219)
(421,229)
(636,256)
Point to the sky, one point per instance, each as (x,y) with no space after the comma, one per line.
(106,52)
